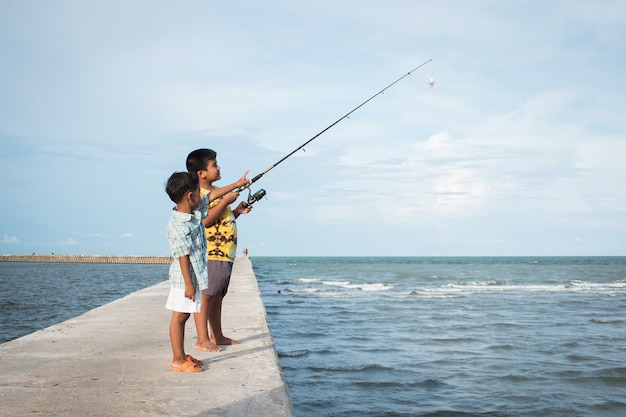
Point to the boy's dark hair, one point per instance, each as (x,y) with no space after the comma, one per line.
(197,160)
(179,184)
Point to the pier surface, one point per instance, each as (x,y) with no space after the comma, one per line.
(115,361)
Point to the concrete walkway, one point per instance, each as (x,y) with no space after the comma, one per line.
(115,361)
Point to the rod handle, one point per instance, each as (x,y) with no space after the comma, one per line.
(258,177)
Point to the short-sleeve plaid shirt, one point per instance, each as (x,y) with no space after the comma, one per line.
(185,234)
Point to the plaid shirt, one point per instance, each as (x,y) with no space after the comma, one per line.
(185,233)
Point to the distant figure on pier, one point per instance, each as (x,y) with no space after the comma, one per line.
(245,251)
(188,273)
(221,235)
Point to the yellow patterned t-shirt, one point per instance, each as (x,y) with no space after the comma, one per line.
(221,236)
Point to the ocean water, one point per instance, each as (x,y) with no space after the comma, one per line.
(34,296)
(396,337)
(449,336)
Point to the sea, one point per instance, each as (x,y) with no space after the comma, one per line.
(449,336)
(401,336)
(34,296)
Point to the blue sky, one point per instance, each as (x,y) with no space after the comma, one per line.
(518,150)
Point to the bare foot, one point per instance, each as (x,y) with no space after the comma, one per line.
(207,347)
(225,341)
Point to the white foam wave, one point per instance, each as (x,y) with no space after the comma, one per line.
(377,286)
(461,289)
(458,290)
(363,287)
(318,292)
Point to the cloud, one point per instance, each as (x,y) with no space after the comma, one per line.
(67,242)
(127,235)
(10,239)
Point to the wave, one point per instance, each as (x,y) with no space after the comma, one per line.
(608,377)
(454,290)
(293,353)
(601,321)
(577,286)
(331,288)
(376,286)
(363,287)
(399,384)
(351,368)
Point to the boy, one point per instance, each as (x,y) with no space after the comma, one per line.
(188,272)
(221,235)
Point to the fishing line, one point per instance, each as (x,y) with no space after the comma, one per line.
(251,198)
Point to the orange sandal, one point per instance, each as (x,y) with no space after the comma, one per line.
(194,360)
(188,366)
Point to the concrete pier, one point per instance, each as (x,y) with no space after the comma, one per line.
(115,361)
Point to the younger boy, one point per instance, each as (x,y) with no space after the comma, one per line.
(221,235)
(188,272)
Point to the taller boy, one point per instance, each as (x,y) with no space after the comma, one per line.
(221,235)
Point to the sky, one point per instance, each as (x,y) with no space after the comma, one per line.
(517,150)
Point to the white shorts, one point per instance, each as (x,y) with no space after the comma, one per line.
(177,301)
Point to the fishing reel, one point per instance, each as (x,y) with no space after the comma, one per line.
(253,198)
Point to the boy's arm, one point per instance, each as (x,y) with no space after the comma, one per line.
(216,211)
(185,267)
(220,192)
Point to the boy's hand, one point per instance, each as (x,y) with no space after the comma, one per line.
(190,292)
(243,181)
(243,208)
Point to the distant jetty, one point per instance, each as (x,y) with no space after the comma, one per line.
(89,259)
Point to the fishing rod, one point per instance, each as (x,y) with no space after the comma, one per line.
(252,199)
